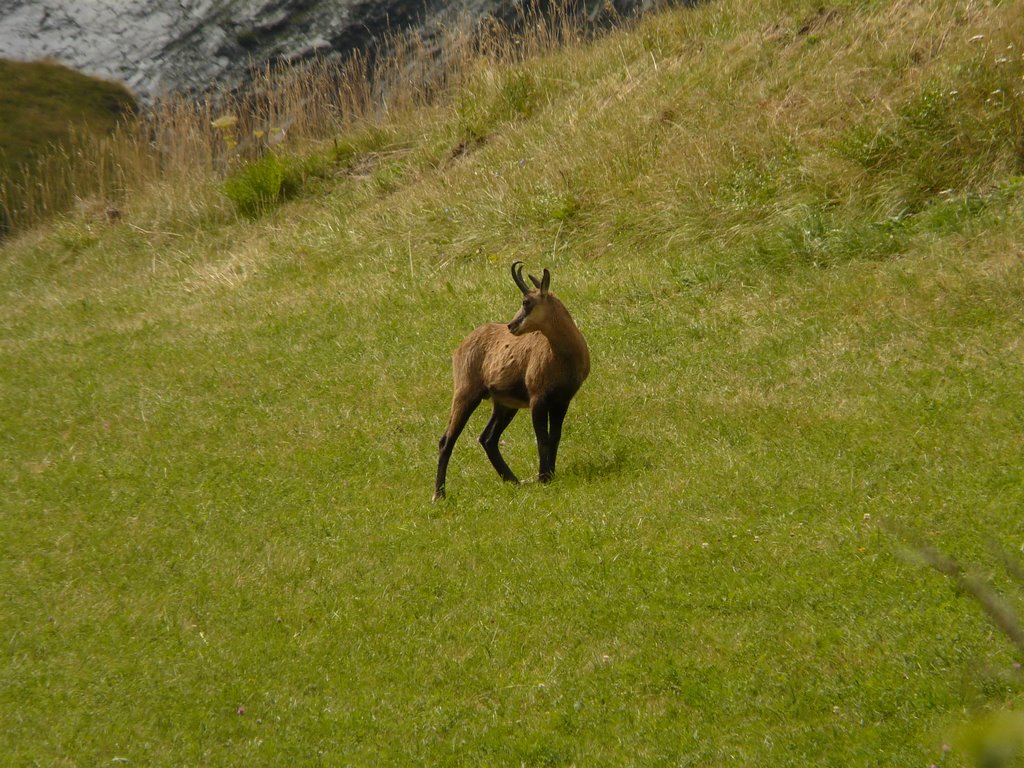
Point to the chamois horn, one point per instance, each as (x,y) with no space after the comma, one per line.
(518,276)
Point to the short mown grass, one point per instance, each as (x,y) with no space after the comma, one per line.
(218,433)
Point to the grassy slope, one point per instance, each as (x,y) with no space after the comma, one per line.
(797,256)
(41,101)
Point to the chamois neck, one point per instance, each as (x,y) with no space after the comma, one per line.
(564,336)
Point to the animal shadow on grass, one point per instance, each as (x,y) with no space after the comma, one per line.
(618,461)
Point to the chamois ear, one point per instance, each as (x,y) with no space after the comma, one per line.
(544,282)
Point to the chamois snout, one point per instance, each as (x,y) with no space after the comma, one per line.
(529,319)
(532,316)
(516,326)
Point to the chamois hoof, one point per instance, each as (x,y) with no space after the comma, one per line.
(438,496)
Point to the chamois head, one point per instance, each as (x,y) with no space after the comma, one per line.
(536,302)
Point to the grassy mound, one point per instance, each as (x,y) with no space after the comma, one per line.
(43,103)
(49,111)
(793,238)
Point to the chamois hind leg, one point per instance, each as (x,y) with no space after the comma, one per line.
(463,406)
(491,436)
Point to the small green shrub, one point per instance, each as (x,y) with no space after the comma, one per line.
(387,179)
(518,96)
(560,200)
(559,206)
(757,182)
(259,186)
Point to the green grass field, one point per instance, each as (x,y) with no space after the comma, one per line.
(794,240)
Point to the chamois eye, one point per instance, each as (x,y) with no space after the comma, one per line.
(526,303)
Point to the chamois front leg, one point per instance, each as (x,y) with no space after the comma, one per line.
(548,416)
(556,415)
(539,411)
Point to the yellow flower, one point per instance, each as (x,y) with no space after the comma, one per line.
(225,122)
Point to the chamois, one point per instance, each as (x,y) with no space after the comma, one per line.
(537,361)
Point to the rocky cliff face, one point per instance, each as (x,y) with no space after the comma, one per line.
(158,46)
(155,46)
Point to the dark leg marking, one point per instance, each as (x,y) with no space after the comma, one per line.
(462,409)
(491,437)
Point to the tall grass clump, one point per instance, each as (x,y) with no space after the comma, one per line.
(53,119)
